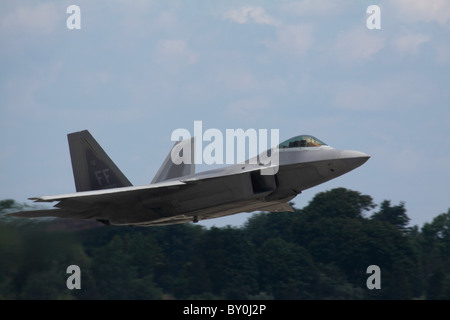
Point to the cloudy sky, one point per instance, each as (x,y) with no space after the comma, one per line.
(138,70)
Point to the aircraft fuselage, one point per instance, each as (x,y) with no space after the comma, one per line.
(241,188)
(177,194)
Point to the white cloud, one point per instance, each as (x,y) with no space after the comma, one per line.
(314,7)
(22,90)
(404,91)
(410,43)
(237,80)
(358,44)
(443,53)
(292,40)
(248,107)
(355,96)
(42,18)
(424,10)
(251,15)
(174,51)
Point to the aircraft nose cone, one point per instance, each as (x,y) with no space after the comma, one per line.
(353,158)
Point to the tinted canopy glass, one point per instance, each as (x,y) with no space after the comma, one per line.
(301,142)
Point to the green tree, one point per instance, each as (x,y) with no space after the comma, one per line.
(287,271)
(398,258)
(228,257)
(41,254)
(117,276)
(340,202)
(319,252)
(334,231)
(436,256)
(395,215)
(11,256)
(10,205)
(266,225)
(178,244)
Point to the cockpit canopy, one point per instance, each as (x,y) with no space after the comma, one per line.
(301,142)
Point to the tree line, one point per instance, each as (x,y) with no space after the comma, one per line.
(321,251)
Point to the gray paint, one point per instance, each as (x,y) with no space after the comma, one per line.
(177,194)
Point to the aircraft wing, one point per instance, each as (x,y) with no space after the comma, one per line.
(127,203)
(100,195)
(82,205)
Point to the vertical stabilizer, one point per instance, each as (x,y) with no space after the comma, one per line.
(92,168)
(170,170)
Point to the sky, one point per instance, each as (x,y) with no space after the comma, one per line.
(138,70)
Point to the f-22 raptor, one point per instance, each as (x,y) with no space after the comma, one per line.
(179,195)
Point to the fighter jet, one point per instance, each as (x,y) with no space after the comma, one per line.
(179,195)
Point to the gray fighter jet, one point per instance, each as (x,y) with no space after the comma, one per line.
(178,195)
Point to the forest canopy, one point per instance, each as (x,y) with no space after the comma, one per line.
(321,251)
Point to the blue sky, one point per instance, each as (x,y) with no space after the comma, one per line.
(137,70)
